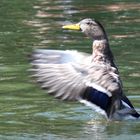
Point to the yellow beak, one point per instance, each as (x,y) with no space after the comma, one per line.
(72,27)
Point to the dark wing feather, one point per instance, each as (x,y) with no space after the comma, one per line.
(98,98)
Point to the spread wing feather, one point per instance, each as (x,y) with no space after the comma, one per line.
(59,74)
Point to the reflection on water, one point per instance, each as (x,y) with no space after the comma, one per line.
(122,6)
(27,112)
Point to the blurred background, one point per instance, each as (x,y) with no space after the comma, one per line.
(26,111)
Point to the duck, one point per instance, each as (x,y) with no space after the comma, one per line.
(92,79)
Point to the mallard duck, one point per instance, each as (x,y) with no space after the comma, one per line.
(91,79)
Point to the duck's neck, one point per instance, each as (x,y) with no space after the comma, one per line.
(101,52)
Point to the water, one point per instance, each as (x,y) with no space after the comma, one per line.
(26,111)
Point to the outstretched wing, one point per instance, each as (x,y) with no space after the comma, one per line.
(61,72)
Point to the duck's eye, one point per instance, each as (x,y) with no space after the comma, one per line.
(88,23)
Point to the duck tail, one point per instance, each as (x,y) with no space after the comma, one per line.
(128,105)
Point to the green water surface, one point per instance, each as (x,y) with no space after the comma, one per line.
(26,111)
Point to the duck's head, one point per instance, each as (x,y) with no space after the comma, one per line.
(91,28)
